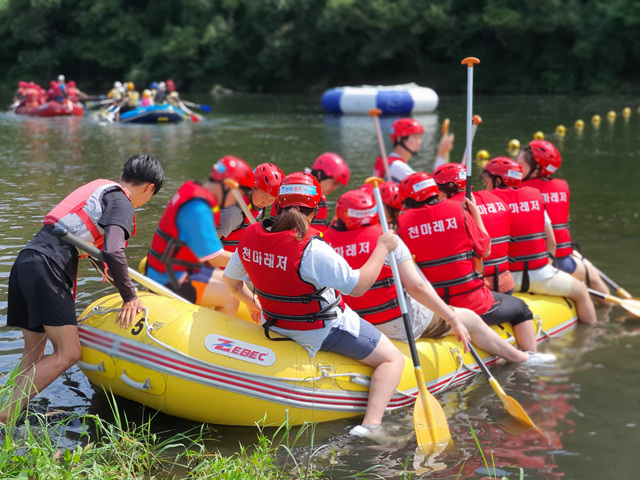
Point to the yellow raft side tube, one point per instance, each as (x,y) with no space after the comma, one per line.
(198,364)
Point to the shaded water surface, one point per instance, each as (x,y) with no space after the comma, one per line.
(586,402)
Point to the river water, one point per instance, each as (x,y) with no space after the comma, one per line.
(586,403)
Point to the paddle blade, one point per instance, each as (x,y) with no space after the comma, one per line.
(195,118)
(631,305)
(430,423)
(511,405)
(204,108)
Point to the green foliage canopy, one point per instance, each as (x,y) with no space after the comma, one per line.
(525,46)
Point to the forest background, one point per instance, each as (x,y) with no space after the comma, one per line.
(525,46)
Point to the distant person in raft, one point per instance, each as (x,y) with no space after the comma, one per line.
(353,236)
(186,242)
(288,265)
(406,136)
(43,277)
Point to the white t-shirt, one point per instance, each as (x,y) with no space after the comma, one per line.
(419,315)
(399,170)
(322,267)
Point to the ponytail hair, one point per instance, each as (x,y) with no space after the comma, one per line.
(528,157)
(293,218)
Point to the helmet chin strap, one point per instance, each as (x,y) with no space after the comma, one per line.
(403,145)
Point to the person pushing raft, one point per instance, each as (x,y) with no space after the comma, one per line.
(43,277)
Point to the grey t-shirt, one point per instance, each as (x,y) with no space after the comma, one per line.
(117,210)
(231,218)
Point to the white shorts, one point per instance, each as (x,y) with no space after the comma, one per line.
(560,285)
(423,322)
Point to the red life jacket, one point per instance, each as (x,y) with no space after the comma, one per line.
(230,242)
(168,253)
(380,303)
(320,222)
(555,193)
(81,210)
(527,247)
(272,261)
(495,216)
(437,236)
(31,97)
(378,167)
(57,92)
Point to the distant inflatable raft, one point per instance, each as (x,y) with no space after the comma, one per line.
(392,100)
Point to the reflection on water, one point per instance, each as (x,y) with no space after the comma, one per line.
(585,403)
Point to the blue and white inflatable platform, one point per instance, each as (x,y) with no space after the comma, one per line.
(392,100)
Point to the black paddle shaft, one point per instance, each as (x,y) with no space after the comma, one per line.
(480,363)
(78,243)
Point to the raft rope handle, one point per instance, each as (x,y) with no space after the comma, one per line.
(455,351)
(540,332)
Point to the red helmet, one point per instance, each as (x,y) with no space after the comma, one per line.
(419,186)
(235,168)
(71,83)
(333,166)
(300,189)
(507,169)
(390,193)
(268,178)
(403,127)
(171,86)
(451,173)
(357,208)
(547,156)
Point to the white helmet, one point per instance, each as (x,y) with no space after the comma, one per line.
(117,84)
(61,78)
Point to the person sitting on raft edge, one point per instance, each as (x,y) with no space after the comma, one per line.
(298,263)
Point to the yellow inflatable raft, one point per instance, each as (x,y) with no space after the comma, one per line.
(201,365)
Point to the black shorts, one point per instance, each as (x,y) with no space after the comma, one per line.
(39,294)
(506,308)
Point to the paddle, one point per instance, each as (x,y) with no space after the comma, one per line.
(97,253)
(469,62)
(510,404)
(429,420)
(233,186)
(204,108)
(375,113)
(194,118)
(631,305)
(445,132)
(92,103)
(619,290)
(93,97)
(112,114)
(477,120)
